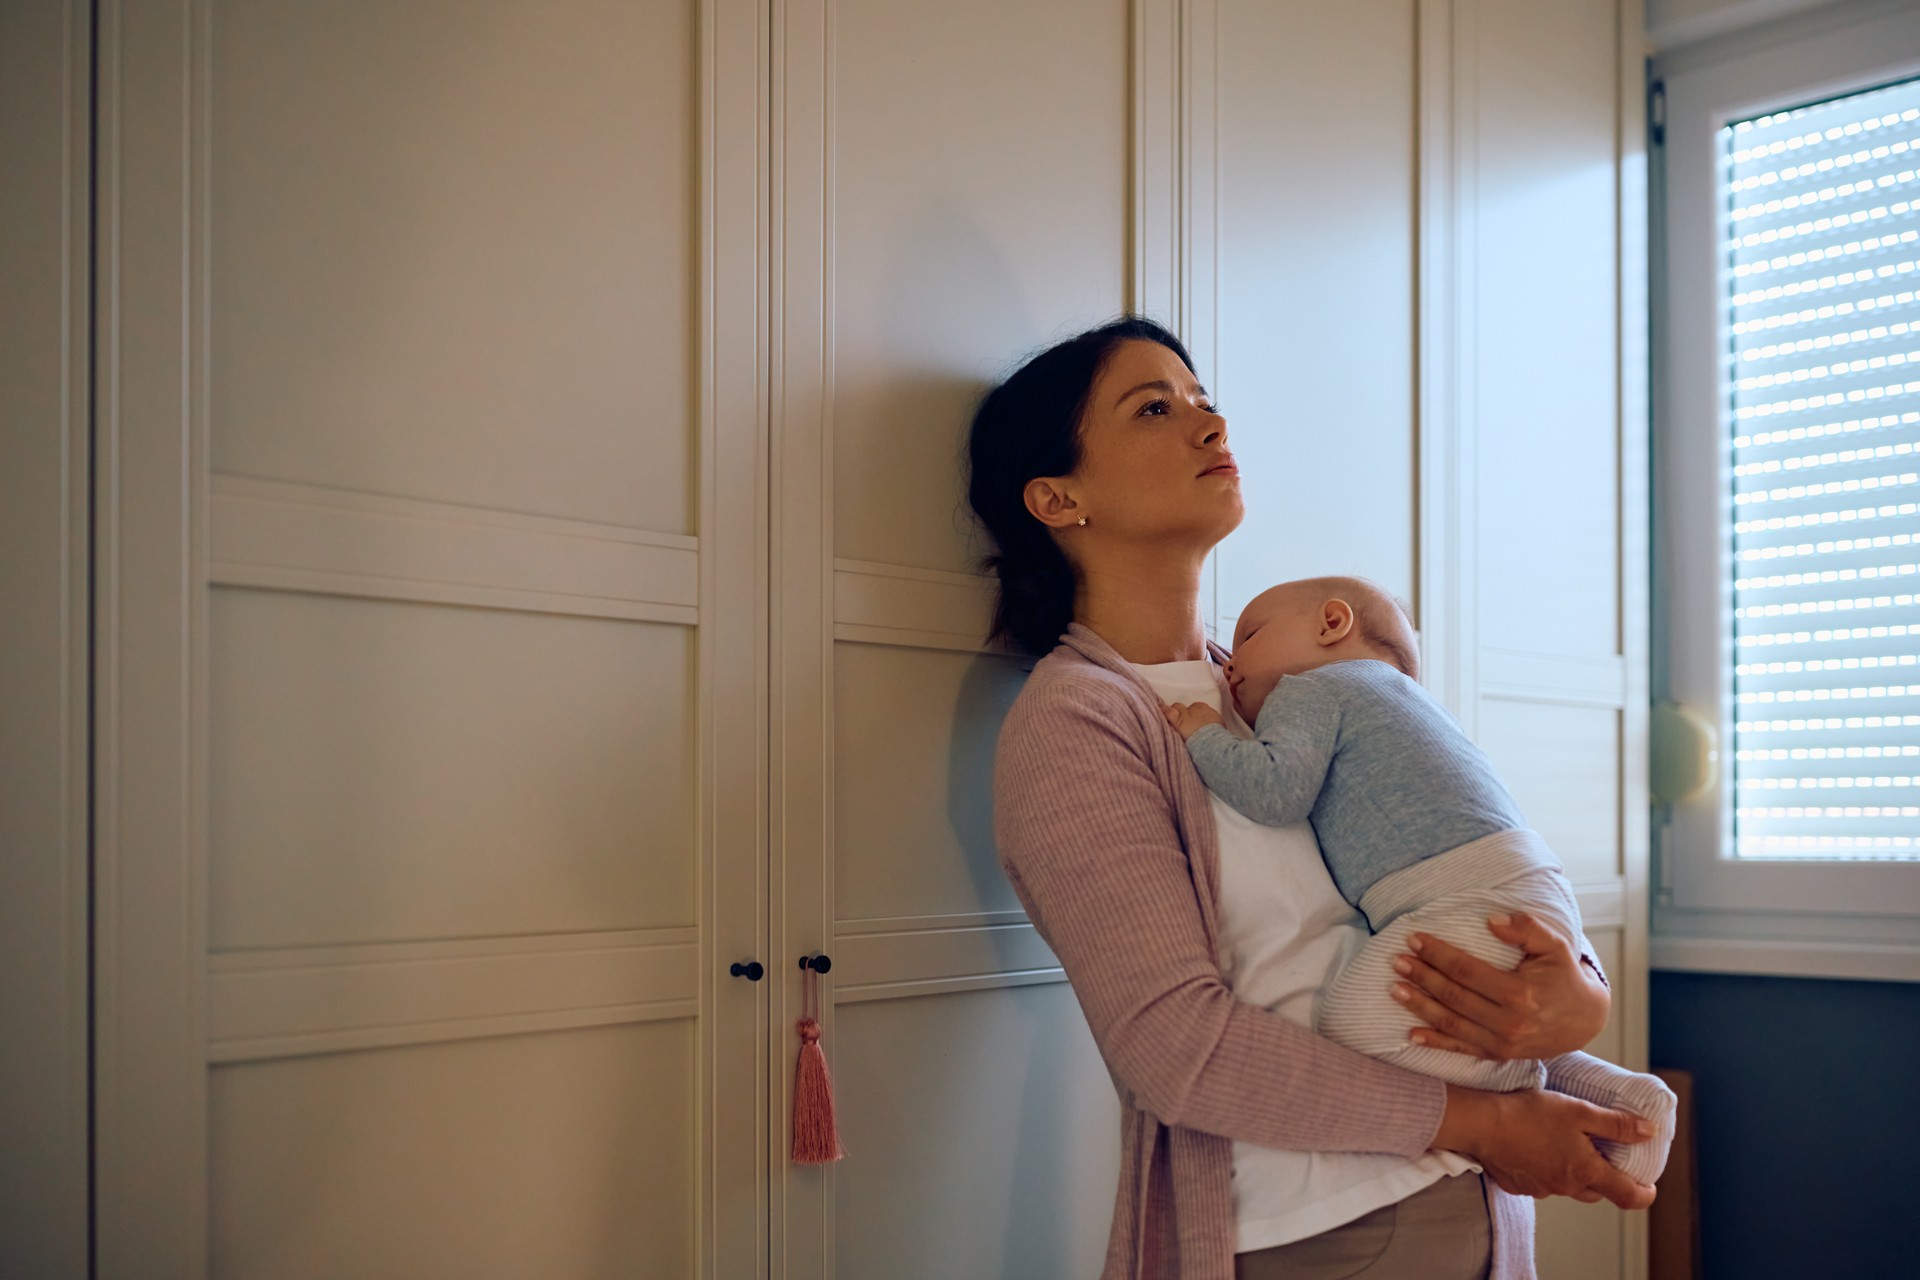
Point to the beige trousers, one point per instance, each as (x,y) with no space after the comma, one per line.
(1440,1233)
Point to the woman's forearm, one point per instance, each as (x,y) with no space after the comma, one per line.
(1272,1082)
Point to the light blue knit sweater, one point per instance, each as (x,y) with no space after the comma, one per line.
(1384,772)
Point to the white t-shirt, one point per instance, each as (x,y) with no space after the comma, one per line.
(1284,932)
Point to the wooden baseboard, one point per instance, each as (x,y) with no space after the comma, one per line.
(1673,1226)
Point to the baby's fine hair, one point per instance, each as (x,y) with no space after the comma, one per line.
(1378,628)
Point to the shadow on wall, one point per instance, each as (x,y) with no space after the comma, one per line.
(979,1122)
(987,690)
(1805,1117)
(1055,1190)
(956,275)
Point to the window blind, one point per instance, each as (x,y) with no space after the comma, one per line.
(1824,300)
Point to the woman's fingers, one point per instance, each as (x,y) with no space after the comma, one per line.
(1470,972)
(1622,1190)
(1545,1007)
(1523,931)
(1620,1126)
(1434,1039)
(1474,1010)
(1459,1033)
(1456,988)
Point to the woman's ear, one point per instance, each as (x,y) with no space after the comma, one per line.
(1336,620)
(1049,502)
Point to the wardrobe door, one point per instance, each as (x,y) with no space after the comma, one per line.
(1316,271)
(954,193)
(1561,561)
(428,522)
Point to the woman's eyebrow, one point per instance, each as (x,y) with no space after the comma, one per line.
(1158,384)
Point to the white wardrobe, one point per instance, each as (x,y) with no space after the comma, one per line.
(530,576)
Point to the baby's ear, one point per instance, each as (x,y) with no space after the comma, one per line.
(1336,620)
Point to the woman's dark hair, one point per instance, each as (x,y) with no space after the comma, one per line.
(1028,427)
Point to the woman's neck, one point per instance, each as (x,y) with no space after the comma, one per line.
(1148,613)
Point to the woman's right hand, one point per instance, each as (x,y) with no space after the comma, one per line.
(1539,1143)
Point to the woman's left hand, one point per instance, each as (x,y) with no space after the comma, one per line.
(1553,1003)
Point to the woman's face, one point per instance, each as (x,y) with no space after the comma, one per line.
(1154,466)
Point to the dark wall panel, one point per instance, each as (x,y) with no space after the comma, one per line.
(1808,1121)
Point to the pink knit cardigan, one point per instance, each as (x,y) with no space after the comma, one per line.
(1105,831)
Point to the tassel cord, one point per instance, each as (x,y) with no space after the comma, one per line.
(816,1138)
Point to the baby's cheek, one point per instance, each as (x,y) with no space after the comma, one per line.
(1251,696)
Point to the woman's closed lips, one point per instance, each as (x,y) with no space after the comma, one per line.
(1224,465)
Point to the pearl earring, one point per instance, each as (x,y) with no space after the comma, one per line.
(1083,522)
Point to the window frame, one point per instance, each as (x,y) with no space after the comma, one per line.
(1712,911)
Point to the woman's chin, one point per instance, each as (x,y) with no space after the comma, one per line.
(1232,512)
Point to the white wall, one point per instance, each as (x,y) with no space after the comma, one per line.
(1671,23)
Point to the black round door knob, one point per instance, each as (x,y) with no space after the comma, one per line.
(819,964)
(752,970)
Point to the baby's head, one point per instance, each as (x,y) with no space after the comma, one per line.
(1298,626)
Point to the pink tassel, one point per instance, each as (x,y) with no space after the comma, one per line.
(815,1139)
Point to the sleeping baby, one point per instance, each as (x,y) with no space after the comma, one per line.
(1415,826)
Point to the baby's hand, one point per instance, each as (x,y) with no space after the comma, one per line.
(1190,717)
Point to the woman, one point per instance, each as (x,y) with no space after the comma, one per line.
(1194,939)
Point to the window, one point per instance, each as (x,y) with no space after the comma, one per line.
(1787,490)
(1824,391)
